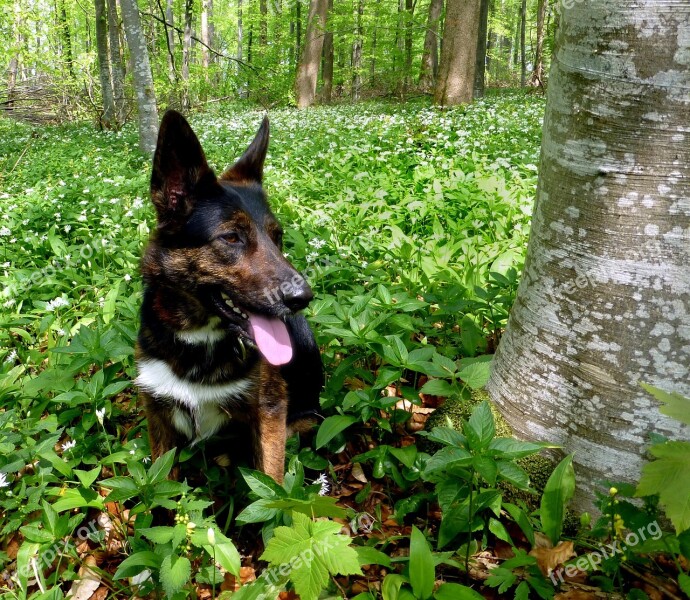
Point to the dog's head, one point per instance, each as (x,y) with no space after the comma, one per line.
(218,241)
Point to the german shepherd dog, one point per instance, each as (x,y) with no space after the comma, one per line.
(221,338)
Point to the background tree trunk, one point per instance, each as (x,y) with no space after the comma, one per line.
(116,69)
(327,61)
(263,22)
(523,42)
(108,118)
(66,38)
(308,70)
(357,53)
(143,81)
(603,303)
(206,33)
(458,54)
(170,33)
(482,50)
(430,55)
(537,77)
(187,52)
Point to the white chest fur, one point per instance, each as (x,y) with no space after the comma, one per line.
(202,400)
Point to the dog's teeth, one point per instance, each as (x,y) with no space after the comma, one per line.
(237,310)
(224,296)
(230,303)
(244,315)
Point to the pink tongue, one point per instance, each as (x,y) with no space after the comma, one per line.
(272,338)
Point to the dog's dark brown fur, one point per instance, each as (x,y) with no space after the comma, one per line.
(217,242)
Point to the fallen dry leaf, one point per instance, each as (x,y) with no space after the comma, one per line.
(89,581)
(549,558)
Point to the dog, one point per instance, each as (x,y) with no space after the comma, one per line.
(222,340)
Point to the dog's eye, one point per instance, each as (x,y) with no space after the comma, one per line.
(232,238)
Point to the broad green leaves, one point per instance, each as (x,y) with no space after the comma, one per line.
(311,551)
(558,491)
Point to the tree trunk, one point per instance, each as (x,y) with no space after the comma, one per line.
(117,71)
(308,70)
(206,33)
(603,302)
(482,49)
(327,62)
(459,53)
(187,52)
(66,38)
(240,51)
(374,41)
(143,81)
(298,30)
(108,118)
(357,53)
(409,14)
(523,49)
(537,77)
(430,55)
(263,22)
(170,39)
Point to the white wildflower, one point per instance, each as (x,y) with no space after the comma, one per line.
(211,536)
(317,243)
(5,231)
(68,228)
(128,277)
(100,415)
(323,481)
(11,357)
(3,481)
(56,303)
(68,445)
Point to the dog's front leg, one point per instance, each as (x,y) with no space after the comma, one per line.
(269,427)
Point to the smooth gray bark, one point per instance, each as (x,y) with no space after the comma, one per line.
(455,82)
(603,303)
(143,81)
(429,67)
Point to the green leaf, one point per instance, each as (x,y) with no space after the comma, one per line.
(257,512)
(390,588)
(486,467)
(455,591)
(158,535)
(684,583)
(513,474)
(262,485)
(674,405)
(50,518)
(421,566)
(366,555)
(174,573)
(331,427)
(476,375)
(480,429)
(520,517)
(227,555)
(86,478)
(447,437)
(558,491)
(161,468)
(136,563)
(311,551)
(510,448)
(438,387)
(669,477)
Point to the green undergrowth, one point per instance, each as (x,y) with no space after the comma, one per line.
(411,224)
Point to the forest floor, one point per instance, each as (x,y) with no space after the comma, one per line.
(411,224)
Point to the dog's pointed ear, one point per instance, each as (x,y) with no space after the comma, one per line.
(250,166)
(179,168)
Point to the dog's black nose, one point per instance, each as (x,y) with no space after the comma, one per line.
(297,298)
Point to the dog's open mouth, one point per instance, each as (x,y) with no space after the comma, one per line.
(269,333)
